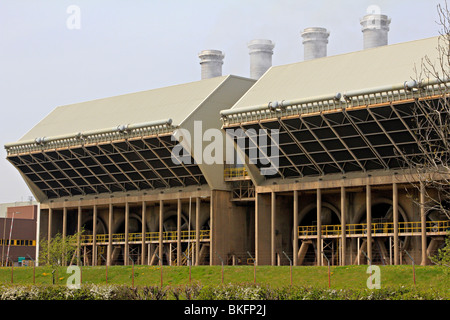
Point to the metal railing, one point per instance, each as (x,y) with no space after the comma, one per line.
(232,173)
(149,236)
(377,228)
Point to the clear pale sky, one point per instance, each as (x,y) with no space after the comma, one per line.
(125,46)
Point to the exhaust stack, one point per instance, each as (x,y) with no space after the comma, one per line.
(315,40)
(211,62)
(261,52)
(375,28)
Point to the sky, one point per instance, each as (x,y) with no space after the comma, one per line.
(59,52)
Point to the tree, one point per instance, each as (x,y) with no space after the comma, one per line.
(60,250)
(431,112)
(443,256)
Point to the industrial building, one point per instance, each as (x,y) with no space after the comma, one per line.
(18,222)
(131,170)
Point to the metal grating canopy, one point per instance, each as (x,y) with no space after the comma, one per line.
(363,138)
(118,166)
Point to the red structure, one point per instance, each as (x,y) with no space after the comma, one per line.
(18,234)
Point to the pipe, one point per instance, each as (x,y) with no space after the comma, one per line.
(280,104)
(120,128)
(406,85)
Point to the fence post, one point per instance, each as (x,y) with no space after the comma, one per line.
(368,259)
(222,264)
(12,267)
(106,270)
(189,263)
(34,268)
(290,266)
(160,266)
(413,265)
(132,271)
(254,267)
(329,275)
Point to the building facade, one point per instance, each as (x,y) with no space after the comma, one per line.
(139,178)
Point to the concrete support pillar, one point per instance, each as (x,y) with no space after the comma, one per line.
(262,229)
(64,223)
(127,220)
(161,216)
(179,254)
(64,230)
(79,235)
(272,229)
(197,230)
(94,236)
(343,225)
(109,248)
(49,231)
(319,227)
(369,220)
(423,221)
(395,221)
(143,219)
(295,231)
(212,253)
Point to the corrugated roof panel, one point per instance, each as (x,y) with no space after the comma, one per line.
(174,102)
(358,70)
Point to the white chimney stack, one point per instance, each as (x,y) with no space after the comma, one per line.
(211,62)
(315,40)
(261,52)
(375,29)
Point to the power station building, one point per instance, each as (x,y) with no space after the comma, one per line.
(135,172)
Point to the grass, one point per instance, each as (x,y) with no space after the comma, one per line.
(342,277)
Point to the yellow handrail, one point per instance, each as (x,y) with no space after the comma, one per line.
(149,236)
(235,172)
(377,227)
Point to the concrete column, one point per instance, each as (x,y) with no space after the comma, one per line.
(179,254)
(395,221)
(161,216)
(343,225)
(64,230)
(79,235)
(94,236)
(64,222)
(369,220)
(49,231)
(319,227)
(197,230)
(143,218)
(127,219)
(272,228)
(423,221)
(212,253)
(110,222)
(295,227)
(262,229)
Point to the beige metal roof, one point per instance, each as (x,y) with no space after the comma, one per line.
(174,102)
(326,76)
